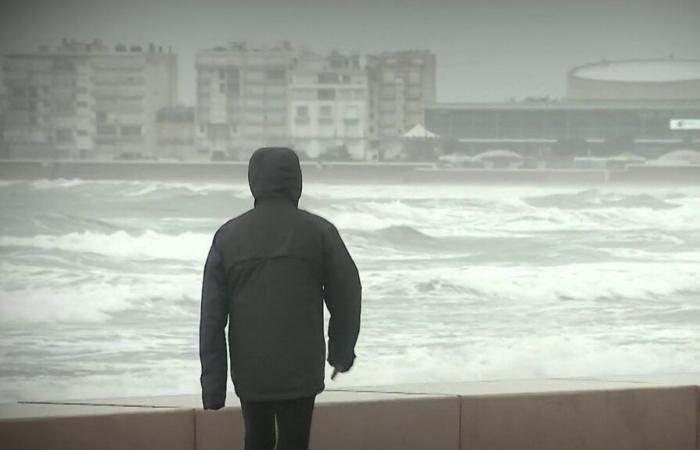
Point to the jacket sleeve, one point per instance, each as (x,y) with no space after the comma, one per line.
(212,331)
(342,294)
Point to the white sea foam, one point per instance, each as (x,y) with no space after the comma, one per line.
(569,284)
(459,282)
(120,244)
(98,298)
(533,356)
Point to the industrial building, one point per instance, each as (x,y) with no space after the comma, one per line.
(646,79)
(647,107)
(87,100)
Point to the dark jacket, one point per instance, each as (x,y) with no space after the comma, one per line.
(268,273)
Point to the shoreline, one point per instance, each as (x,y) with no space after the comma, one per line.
(349,173)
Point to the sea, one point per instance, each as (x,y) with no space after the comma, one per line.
(101,282)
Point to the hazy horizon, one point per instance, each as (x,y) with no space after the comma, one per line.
(486,51)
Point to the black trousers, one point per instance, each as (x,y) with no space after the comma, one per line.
(291,417)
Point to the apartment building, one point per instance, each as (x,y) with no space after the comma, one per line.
(3,110)
(334,104)
(401,84)
(242,98)
(175,134)
(328,101)
(87,100)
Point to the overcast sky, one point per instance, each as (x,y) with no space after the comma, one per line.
(487,50)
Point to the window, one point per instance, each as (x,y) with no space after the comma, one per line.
(326,94)
(131,130)
(326,111)
(327,78)
(106,130)
(351,112)
(275,74)
(64,135)
(302,115)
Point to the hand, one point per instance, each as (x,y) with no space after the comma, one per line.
(335,373)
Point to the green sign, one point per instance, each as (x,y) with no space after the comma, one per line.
(685,124)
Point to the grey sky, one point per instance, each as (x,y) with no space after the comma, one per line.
(487,49)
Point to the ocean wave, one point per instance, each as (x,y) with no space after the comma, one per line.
(527,286)
(99,297)
(535,356)
(595,199)
(402,236)
(147,245)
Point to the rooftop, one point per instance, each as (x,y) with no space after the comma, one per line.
(660,70)
(567,105)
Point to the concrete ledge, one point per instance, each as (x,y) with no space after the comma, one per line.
(354,420)
(657,412)
(98,428)
(631,419)
(408,423)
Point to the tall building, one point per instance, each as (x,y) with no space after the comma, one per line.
(401,84)
(3,109)
(242,98)
(175,134)
(328,101)
(87,100)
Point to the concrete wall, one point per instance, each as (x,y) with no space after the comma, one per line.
(72,427)
(237,172)
(620,413)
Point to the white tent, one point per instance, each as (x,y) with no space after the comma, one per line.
(681,156)
(498,155)
(627,157)
(420,132)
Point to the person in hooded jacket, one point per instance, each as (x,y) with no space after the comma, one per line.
(268,273)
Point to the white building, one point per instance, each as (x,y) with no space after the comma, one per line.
(242,98)
(3,110)
(401,84)
(86,100)
(175,133)
(328,101)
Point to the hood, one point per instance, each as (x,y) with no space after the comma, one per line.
(274,172)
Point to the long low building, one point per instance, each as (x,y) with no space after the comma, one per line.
(584,127)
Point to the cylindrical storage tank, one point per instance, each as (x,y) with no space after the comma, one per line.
(665,79)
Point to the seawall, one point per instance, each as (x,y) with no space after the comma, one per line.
(651,412)
(236,172)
